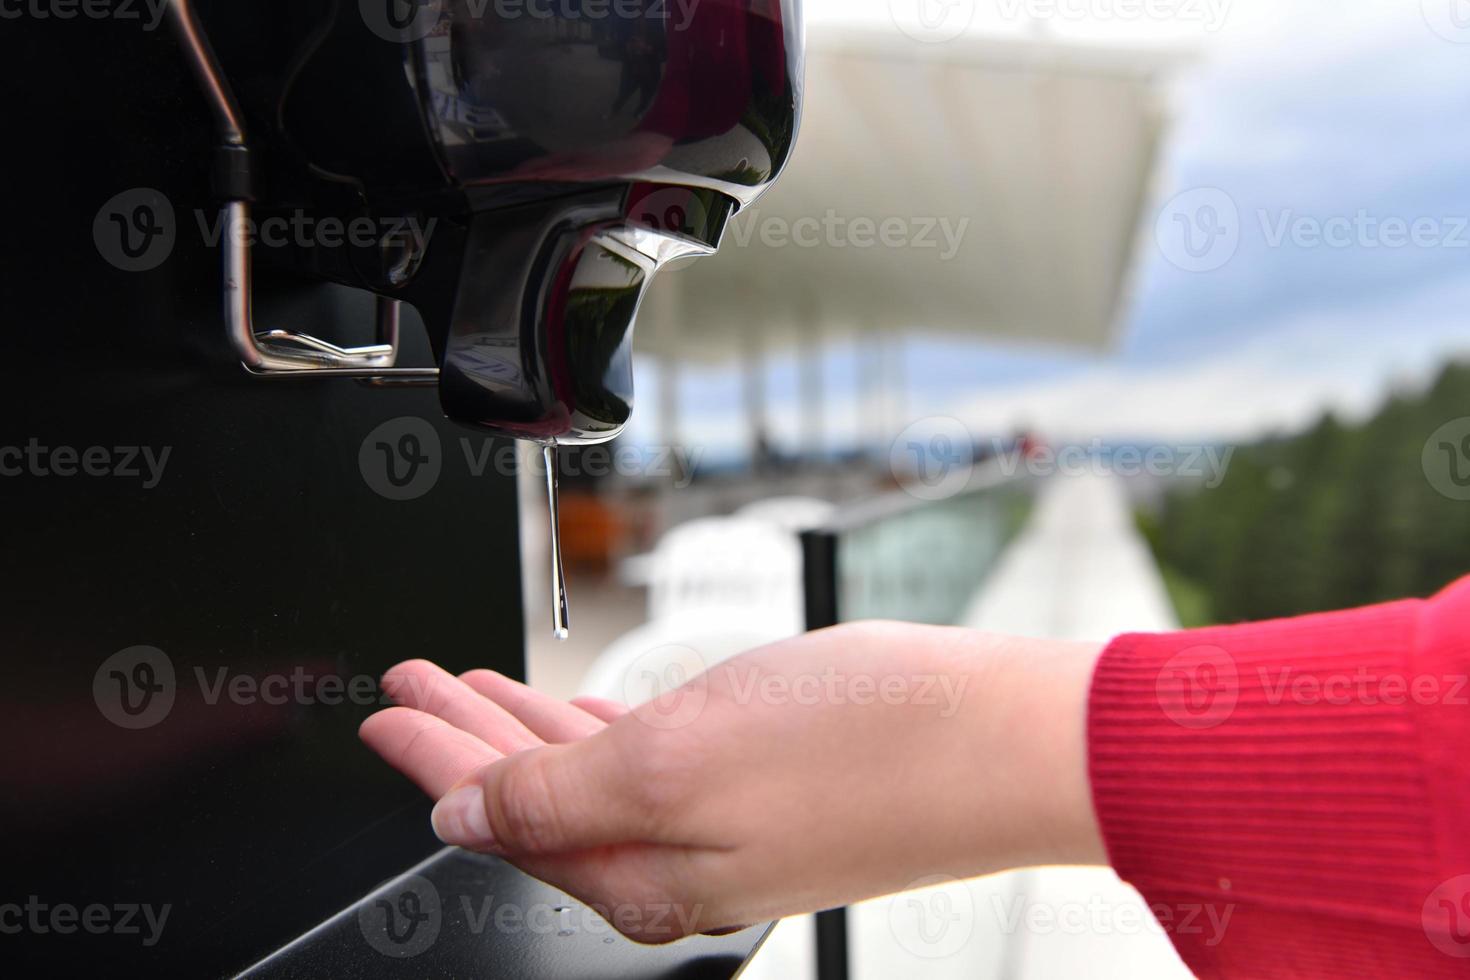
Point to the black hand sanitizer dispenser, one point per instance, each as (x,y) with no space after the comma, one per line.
(525,172)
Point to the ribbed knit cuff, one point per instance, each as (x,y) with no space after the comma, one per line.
(1265,788)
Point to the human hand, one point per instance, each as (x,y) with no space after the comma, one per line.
(812,773)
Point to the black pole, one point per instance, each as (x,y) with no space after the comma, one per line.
(819,577)
(832,945)
(819,580)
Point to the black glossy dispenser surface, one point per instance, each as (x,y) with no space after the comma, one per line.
(557,158)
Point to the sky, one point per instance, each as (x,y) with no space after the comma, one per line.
(1347,118)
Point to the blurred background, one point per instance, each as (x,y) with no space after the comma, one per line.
(1075,317)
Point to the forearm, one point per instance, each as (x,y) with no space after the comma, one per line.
(995,780)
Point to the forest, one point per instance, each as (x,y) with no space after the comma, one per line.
(1338,516)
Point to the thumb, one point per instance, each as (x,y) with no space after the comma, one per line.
(549,800)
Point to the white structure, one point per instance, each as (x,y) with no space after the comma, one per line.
(977,188)
(718,586)
(1010,176)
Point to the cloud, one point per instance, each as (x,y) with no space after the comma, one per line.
(1345,361)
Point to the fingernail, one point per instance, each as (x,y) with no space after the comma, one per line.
(460,819)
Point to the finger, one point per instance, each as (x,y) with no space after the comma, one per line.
(551,800)
(428,750)
(430,688)
(601,708)
(552,720)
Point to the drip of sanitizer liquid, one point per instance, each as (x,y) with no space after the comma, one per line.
(559,619)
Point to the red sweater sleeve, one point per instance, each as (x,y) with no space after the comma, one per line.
(1293,798)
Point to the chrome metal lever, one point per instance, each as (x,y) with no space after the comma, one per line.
(278,353)
(281,353)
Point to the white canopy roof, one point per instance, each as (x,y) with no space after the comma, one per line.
(975,187)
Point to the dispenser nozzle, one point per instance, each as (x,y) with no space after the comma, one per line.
(560,624)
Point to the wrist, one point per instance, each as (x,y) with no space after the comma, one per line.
(1041,704)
